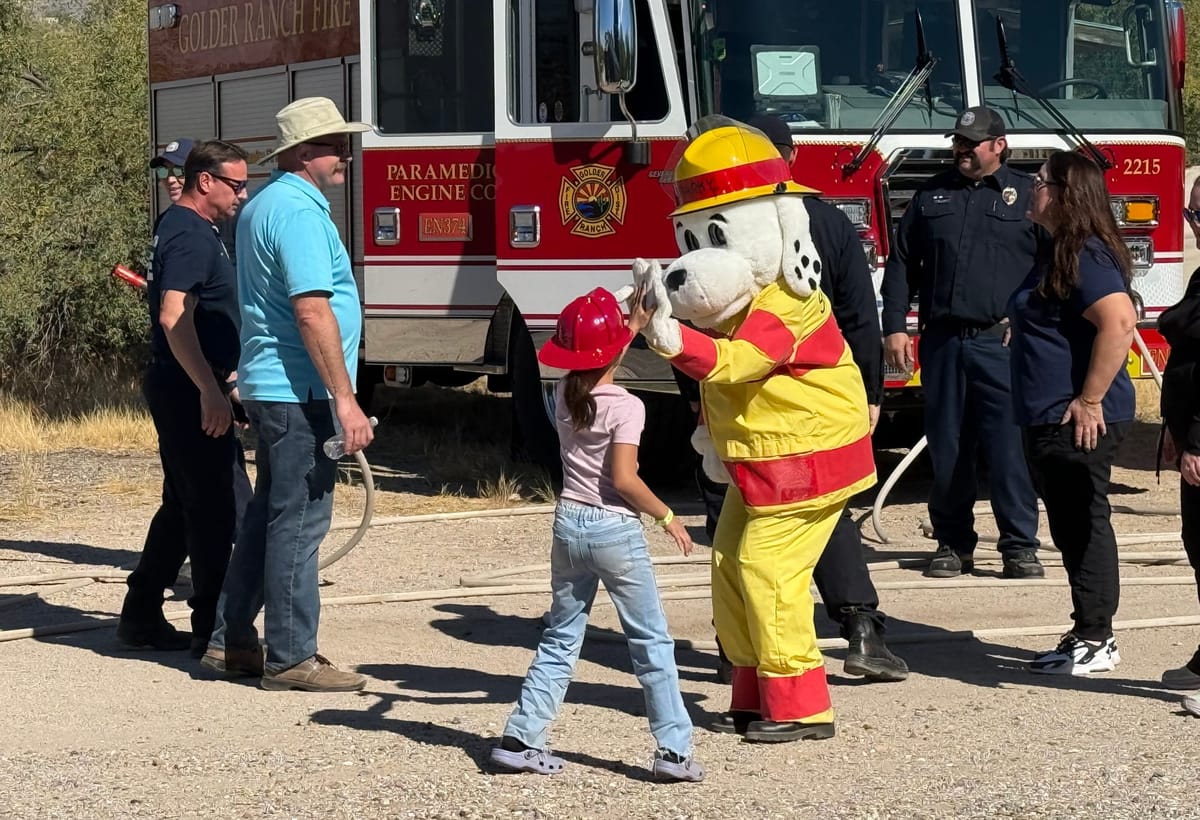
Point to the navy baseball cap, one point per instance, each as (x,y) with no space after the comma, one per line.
(174,153)
(777,131)
(978,124)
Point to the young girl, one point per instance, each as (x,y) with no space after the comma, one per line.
(598,537)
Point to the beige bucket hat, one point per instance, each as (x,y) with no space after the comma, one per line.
(308,118)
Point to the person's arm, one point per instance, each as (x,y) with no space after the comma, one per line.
(1115,319)
(853,300)
(627,482)
(176,316)
(323,340)
(898,347)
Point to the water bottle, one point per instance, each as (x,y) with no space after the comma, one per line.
(335,445)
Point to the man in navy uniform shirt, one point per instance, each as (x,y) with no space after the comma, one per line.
(195,344)
(964,245)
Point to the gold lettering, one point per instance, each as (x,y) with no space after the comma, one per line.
(196,31)
(395,192)
(297,17)
(481,191)
(346,13)
(183,42)
(316,16)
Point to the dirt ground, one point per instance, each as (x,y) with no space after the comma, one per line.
(91,730)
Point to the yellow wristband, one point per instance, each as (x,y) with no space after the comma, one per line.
(666,519)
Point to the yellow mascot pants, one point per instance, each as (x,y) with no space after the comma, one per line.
(762,569)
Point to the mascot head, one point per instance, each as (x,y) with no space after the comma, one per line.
(738,224)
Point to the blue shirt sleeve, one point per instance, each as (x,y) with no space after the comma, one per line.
(1099,275)
(304,253)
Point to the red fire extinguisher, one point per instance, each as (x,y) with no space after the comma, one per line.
(129,277)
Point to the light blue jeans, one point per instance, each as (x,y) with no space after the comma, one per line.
(274,565)
(592,545)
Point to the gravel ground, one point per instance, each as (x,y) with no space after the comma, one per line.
(94,731)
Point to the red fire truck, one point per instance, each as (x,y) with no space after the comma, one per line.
(522,149)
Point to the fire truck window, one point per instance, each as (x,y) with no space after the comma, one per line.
(647,101)
(433,68)
(556,76)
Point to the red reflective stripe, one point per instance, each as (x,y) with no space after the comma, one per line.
(729,180)
(699,354)
(768,333)
(795,697)
(745,697)
(790,479)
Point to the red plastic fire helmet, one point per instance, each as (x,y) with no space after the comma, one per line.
(591,333)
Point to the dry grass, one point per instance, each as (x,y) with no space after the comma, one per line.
(26,429)
(22,498)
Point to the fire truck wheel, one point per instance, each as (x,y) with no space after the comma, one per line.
(369,377)
(533,436)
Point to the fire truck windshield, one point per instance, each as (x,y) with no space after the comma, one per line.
(1105,64)
(827,66)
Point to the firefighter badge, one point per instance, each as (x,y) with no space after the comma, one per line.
(590,199)
(1009,195)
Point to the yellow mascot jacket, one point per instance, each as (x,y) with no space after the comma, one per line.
(784,402)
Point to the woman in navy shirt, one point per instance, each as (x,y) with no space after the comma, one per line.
(1072,324)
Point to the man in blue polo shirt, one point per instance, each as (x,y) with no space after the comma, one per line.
(301,325)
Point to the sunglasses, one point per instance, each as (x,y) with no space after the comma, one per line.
(162,172)
(341,149)
(238,185)
(1192,215)
(1040,182)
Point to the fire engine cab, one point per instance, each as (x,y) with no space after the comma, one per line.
(522,149)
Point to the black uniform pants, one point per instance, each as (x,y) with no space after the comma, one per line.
(1189,508)
(968,408)
(1074,485)
(841,574)
(204,490)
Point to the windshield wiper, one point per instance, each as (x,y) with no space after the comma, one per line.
(1012,79)
(918,77)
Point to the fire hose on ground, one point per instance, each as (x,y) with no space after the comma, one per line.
(675,587)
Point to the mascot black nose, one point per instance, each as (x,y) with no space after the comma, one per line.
(676,278)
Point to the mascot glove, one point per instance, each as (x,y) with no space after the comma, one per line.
(713,467)
(662,332)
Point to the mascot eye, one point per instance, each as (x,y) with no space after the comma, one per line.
(717,236)
(690,241)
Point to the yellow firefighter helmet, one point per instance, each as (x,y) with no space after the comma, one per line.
(727,161)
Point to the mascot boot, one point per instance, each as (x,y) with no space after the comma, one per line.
(784,407)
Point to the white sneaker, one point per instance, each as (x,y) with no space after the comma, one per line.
(1191,705)
(1075,656)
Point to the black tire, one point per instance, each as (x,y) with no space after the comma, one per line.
(370,376)
(533,436)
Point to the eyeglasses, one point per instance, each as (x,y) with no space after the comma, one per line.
(1192,215)
(162,172)
(238,185)
(1040,182)
(342,149)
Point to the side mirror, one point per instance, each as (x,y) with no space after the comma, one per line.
(615,51)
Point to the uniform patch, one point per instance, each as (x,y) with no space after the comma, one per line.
(968,118)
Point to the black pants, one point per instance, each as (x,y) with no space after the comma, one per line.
(1189,508)
(968,410)
(1074,485)
(841,574)
(205,488)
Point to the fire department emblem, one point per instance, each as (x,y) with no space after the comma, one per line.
(590,199)
(1009,195)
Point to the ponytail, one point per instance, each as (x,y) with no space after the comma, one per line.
(577,393)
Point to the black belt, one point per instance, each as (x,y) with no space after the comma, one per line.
(969,330)
(172,365)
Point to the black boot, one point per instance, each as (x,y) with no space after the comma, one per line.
(868,655)
(724,667)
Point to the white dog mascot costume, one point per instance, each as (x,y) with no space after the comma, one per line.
(784,405)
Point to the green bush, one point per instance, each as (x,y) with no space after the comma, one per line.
(1191,91)
(73,194)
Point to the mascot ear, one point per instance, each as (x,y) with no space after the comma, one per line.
(801,265)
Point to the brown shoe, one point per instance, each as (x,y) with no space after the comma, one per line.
(234,663)
(316,674)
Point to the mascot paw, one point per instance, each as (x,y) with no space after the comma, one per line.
(662,333)
(711,463)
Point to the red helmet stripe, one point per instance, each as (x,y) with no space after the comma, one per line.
(730,180)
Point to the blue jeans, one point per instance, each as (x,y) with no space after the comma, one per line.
(592,545)
(274,564)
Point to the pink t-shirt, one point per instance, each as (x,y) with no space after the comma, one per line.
(586,454)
